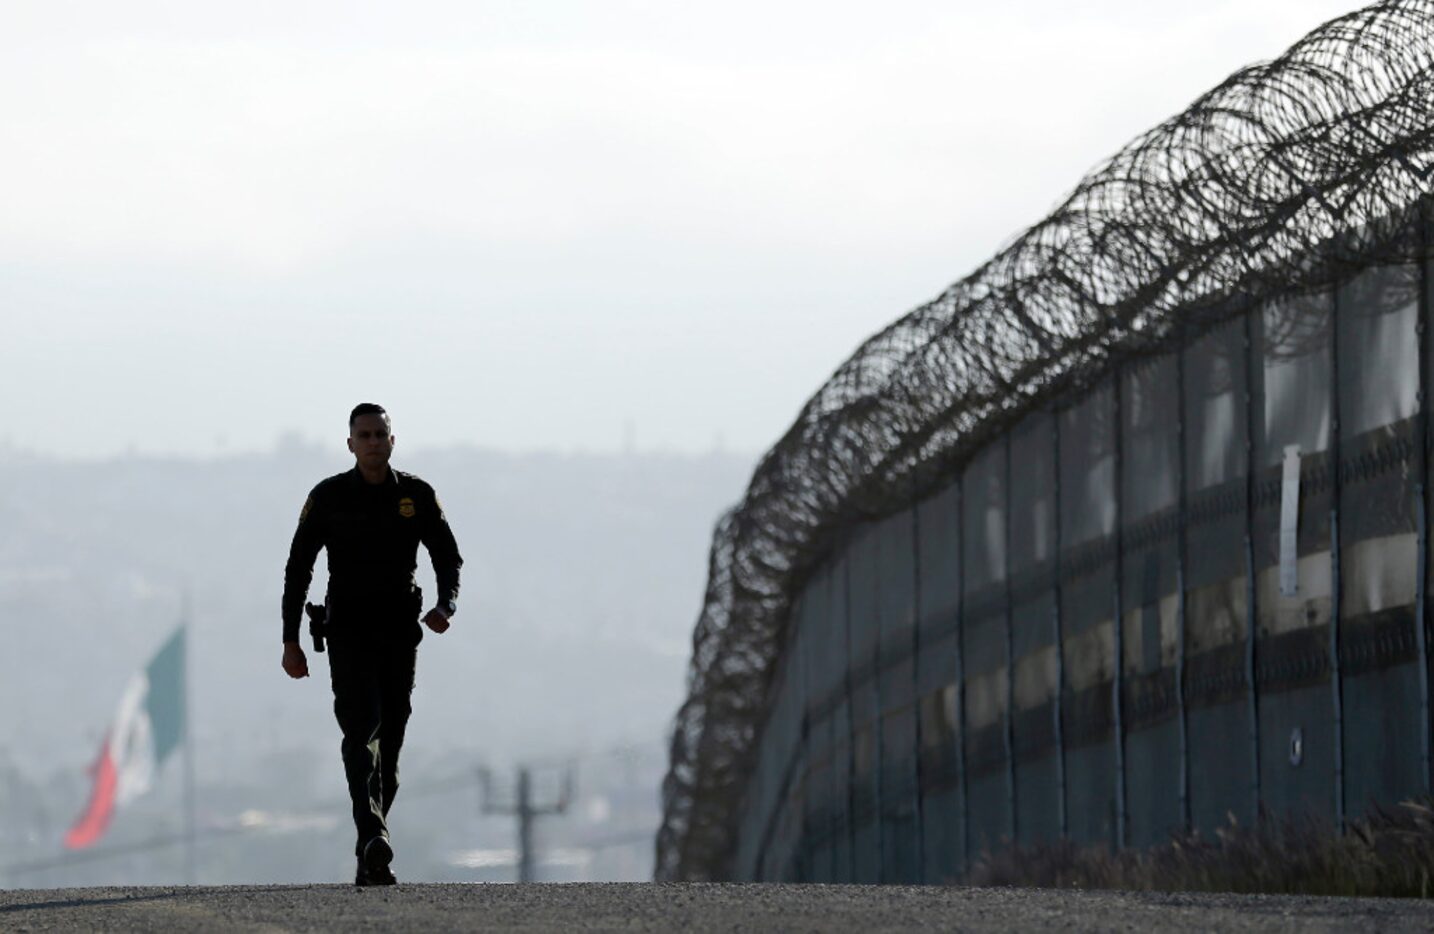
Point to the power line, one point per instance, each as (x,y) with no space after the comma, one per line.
(76,858)
(457,782)
(80,857)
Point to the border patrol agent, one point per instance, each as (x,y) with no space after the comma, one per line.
(371,519)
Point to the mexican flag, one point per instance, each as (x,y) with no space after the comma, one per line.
(147,727)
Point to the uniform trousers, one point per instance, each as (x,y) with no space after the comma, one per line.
(372,677)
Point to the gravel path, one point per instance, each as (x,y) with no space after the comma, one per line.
(686,908)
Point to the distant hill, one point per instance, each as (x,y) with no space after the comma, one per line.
(584,574)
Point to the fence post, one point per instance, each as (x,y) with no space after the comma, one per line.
(850,710)
(1252,618)
(1181,557)
(1058,637)
(1010,725)
(1421,500)
(916,683)
(1118,560)
(1336,679)
(961,675)
(878,731)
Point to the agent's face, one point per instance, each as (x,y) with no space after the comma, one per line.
(369,441)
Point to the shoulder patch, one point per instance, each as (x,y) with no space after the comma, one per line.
(308,504)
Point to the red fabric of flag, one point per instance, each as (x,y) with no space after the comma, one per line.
(91,825)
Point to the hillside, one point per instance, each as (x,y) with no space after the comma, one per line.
(583,575)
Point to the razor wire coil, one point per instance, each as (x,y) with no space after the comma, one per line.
(1235,200)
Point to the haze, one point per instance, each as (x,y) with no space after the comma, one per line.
(558,225)
(592,256)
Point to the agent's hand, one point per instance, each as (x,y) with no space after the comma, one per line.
(296,665)
(436,619)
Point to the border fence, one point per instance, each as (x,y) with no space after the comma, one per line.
(1123,533)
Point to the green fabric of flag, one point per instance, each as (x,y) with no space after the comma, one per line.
(165,702)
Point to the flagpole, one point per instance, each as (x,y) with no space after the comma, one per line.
(190,824)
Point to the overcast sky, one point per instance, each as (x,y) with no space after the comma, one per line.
(530,225)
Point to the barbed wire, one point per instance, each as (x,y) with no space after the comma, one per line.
(1280,181)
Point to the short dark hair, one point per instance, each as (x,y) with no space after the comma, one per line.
(369,408)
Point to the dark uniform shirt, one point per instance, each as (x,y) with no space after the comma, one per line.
(372,533)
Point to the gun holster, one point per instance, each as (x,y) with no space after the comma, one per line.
(318,617)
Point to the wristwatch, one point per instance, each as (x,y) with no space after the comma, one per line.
(449,607)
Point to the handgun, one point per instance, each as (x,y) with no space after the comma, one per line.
(318,615)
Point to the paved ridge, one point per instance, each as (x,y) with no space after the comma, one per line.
(689,908)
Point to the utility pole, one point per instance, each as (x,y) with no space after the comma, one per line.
(191,859)
(523,808)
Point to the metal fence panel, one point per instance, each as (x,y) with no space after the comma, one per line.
(1090,784)
(1150,427)
(1152,761)
(1186,220)
(1150,597)
(939,529)
(864,596)
(769,770)
(794,735)
(901,843)
(1034,742)
(938,555)
(748,838)
(955,678)
(1378,350)
(1378,377)
(943,818)
(781,755)
(842,747)
(788,765)
(817,633)
(984,647)
(1293,389)
(1220,706)
(1088,559)
(755,812)
(1035,672)
(1220,766)
(823,676)
(1295,370)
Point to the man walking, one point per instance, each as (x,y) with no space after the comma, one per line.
(371,519)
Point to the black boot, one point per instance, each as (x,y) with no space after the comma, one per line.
(373,865)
